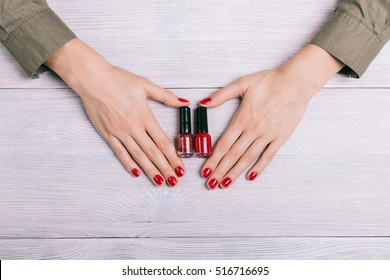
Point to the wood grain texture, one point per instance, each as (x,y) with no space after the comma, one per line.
(197,248)
(64,195)
(59,179)
(194,43)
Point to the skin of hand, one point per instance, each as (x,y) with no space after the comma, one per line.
(116,101)
(273,103)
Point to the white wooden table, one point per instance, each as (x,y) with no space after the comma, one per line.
(64,195)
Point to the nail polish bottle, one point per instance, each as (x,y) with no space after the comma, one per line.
(185,139)
(202,138)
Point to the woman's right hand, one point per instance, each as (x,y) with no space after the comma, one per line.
(116,102)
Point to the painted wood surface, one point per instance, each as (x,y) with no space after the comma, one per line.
(194,43)
(197,248)
(60,179)
(63,194)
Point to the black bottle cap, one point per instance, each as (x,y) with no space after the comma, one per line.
(184,120)
(201,120)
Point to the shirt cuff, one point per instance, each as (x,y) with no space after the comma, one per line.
(36,38)
(349,40)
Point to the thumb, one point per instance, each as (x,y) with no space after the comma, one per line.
(162,95)
(232,90)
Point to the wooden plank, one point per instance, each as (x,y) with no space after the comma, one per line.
(197,248)
(194,43)
(59,179)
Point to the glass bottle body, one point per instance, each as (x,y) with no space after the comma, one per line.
(203,146)
(185,145)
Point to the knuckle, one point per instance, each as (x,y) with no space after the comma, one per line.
(153,152)
(169,93)
(105,134)
(235,153)
(130,128)
(259,125)
(218,94)
(250,157)
(118,152)
(222,146)
(136,153)
(115,131)
(164,144)
(256,126)
(112,141)
(247,117)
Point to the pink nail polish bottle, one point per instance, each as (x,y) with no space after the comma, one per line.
(185,139)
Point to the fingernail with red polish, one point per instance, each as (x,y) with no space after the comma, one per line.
(172,181)
(179,171)
(183,100)
(206,173)
(135,172)
(252,176)
(226,182)
(213,183)
(205,101)
(158,179)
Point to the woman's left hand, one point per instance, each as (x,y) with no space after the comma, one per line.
(273,103)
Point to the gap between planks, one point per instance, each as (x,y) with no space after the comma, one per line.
(206,237)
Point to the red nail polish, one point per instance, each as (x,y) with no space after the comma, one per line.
(213,183)
(179,171)
(203,146)
(205,101)
(252,176)
(172,181)
(226,182)
(185,139)
(206,173)
(183,100)
(135,172)
(158,179)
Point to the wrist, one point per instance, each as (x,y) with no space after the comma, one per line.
(76,63)
(312,67)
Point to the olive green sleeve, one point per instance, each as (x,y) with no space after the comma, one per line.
(355,33)
(31,32)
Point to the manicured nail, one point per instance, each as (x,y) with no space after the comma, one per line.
(205,101)
(179,171)
(206,173)
(183,100)
(135,172)
(213,183)
(172,181)
(226,182)
(158,179)
(252,176)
